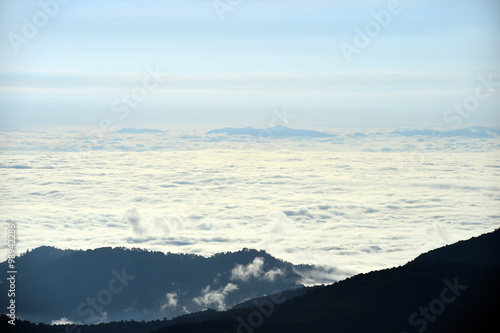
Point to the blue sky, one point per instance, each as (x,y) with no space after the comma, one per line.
(234,71)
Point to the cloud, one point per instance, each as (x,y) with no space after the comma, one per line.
(63,321)
(301,212)
(171,301)
(161,224)
(272,274)
(311,275)
(16,167)
(244,273)
(280,223)
(133,218)
(254,270)
(342,202)
(215,297)
(439,230)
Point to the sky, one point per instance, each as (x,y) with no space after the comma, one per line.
(74,72)
(229,63)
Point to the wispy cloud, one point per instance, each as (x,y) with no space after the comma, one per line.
(217,297)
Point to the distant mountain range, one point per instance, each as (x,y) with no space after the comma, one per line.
(132,130)
(282,132)
(452,289)
(276,132)
(470,132)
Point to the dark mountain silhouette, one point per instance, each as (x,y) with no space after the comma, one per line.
(112,284)
(452,289)
(276,132)
(482,251)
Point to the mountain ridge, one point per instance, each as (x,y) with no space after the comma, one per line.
(442,291)
(57,283)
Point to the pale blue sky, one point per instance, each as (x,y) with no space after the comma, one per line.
(265,54)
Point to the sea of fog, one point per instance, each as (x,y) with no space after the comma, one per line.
(354,202)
